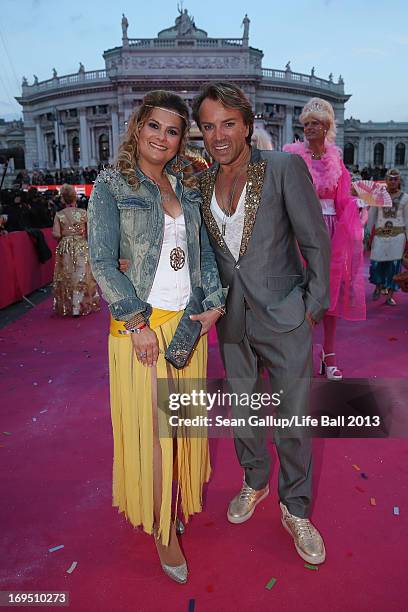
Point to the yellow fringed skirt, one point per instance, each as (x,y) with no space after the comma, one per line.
(132,424)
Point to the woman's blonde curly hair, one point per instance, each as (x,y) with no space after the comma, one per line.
(128,151)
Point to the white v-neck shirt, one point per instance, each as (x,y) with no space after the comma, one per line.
(234,225)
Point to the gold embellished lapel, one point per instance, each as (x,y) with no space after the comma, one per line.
(207,184)
(255,179)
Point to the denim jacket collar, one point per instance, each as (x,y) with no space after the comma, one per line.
(168,168)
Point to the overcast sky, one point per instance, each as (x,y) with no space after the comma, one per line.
(366,41)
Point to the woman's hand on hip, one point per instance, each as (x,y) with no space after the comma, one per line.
(146,347)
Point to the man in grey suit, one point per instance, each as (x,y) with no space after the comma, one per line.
(262,214)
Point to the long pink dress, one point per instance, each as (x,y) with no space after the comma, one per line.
(332,183)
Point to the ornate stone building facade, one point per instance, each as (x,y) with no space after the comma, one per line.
(376,144)
(77,119)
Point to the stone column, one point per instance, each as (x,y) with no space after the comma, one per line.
(115,133)
(357,150)
(93,147)
(83,139)
(40,145)
(66,162)
(288,129)
(58,153)
(389,154)
(369,156)
(110,144)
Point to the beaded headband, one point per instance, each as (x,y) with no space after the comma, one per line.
(173,112)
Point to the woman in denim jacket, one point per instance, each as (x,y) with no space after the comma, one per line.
(144,211)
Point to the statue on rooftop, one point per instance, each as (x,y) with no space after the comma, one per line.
(287,67)
(125,25)
(245,22)
(184,22)
(35,79)
(54,73)
(81,69)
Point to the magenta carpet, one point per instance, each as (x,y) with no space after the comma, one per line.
(56,453)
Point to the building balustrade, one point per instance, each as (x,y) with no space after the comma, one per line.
(160,43)
(64,81)
(298,77)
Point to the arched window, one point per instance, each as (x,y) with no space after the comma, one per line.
(76,151)
(103,148)
(348,155)
(400,154)
(379,154)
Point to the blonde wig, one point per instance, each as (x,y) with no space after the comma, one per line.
(323,112)
(128,151)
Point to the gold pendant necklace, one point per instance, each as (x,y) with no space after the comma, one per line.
(177,258)
(177,255)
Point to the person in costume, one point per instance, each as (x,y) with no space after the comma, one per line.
(74,287)
(340,211)
(389,240)
(145,211)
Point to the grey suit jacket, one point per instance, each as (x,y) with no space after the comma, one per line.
(283,219)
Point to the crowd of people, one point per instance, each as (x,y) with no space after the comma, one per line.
(70,176)
(368,173)
(23,209)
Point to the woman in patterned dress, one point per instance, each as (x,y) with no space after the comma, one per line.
(75,290)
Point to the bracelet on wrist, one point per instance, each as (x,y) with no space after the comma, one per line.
(135,321)
(135,330)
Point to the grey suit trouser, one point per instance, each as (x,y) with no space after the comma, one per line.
(288,360)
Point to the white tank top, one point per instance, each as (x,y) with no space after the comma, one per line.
(171,288)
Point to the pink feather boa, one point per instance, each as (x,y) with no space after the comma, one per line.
(327,174)
(347,281)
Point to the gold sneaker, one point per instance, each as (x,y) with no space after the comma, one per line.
(308,541)
(243,505)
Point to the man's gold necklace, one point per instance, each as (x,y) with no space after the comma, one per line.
(227,210)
